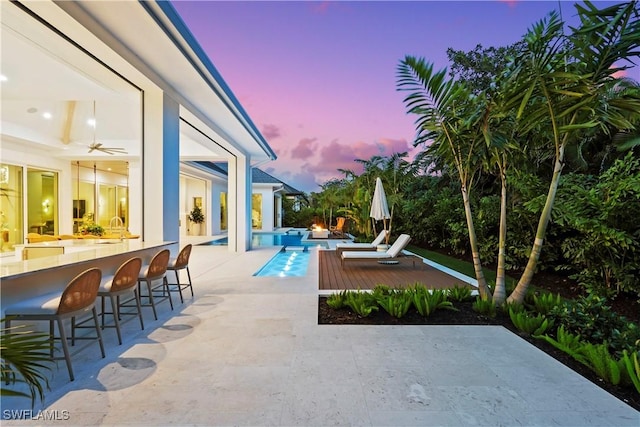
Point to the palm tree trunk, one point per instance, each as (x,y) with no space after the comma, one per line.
(499,293)
(525,280)
(473,241)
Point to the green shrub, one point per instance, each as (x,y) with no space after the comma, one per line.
(381,290)
(396,303)
(567,342)
(632,365)
(526,322)
(596,322)
(362,303)
(546,302)
(484,306)
(427,301)
(337,301)
(459,293)
(599,360)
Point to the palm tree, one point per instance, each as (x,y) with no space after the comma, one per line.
(568,83)
(24,355)
(448,119)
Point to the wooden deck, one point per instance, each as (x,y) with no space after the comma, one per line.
(368,274)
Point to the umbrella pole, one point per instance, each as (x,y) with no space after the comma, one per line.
(373,224)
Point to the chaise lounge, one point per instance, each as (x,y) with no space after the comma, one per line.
(362,246)
(390,255)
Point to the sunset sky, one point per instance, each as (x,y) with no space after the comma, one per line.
(319,78)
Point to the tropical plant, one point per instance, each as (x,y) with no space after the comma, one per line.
(459,293)
(632,364)
(569,83)
(546,302)
(565,341)
(196,216)
(426,301)
(484,306)
(395,303)
(599,360)
(24,356)
(449,120)
(337,300)
(93,229)
(528,323)
(362,303)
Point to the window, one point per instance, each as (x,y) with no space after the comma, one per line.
(11,224)
(256,210)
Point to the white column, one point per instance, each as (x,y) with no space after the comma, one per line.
(239,199)
(161,160)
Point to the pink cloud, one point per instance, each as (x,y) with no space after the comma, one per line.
(270,131)
(320,7)
(304,149)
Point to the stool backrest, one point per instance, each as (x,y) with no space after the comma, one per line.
(127,275)
(81,292)
(158,265)
(183,257)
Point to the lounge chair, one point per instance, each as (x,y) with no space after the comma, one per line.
(390,255)
(363,246)
(338,229)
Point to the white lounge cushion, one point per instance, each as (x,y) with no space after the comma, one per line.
(365,254)
(392,252)
(378,240)
(43,304)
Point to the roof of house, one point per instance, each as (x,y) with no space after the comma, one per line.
(258,176)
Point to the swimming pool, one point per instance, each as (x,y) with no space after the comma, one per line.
(270,239)
(286,264)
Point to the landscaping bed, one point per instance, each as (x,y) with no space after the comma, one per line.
(467,316)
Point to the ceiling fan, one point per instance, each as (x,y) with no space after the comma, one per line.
(97,146)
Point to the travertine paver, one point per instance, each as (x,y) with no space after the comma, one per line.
(248,351)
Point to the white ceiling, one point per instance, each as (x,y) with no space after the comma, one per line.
(46,74)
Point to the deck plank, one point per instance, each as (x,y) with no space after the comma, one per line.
(367,274)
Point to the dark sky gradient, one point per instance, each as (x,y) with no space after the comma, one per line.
(318,78)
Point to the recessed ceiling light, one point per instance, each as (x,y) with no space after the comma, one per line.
(3,78)
(91,122)
(47,115)
(109,169)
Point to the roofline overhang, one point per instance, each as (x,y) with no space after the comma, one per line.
(186,42)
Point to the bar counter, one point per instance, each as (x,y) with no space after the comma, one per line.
(25,279)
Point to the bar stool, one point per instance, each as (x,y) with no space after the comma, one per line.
(156,270)
(124,282)
(78,298)
(181,262)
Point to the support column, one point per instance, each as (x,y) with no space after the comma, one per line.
(161,165)
(239,200)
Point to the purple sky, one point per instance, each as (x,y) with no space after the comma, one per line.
(318,78)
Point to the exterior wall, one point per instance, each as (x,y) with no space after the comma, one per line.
(267,206)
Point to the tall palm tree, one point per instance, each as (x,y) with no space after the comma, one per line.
(567,82)
(448,120)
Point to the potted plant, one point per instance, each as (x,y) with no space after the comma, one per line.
(196,217)
(94,229)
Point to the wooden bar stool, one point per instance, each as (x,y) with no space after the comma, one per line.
(156,271)
(181,262)
(124,282)
(78,298)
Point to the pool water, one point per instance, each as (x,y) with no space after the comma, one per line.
(267,239)
(286,264)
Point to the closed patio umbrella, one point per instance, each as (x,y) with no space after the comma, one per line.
(379,207)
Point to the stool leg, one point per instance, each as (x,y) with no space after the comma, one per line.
(116,315)
(65,348)
(190,284)
(102,308)
(51,338)
(153,304)
(165,282)
(98,333)
(137,297)
(179,286)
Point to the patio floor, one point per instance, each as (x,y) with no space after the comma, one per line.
(368,274)
(248,351)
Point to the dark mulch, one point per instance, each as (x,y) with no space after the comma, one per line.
(466,316)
